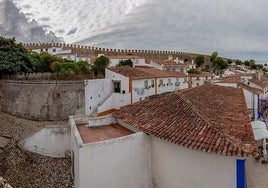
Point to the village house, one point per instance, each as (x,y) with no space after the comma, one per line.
(126,85)
(62,51)
(262,85)
(252,94)
(173,65)
(198,79)
(199,137)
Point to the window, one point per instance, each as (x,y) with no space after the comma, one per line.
(161,83)
(54,50)
(152,83)
(146,83)
(169,82)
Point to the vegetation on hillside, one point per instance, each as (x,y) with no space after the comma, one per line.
(15,59)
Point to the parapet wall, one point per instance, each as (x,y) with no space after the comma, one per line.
(94,51)
(42,100)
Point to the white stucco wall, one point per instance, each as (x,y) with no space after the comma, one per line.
(116,163)
(115,101)
(139,92)
(52,141)
(178,167)
(252,102)
(200,81)
(118,77)
(96,92)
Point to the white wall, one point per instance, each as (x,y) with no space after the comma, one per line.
(139,92)
(115,101)
(52,141)
(118,77)
(96,91)
(178,167)
(117,163)
(169,88)
(200,81)
(252,102)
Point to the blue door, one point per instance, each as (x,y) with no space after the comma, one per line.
(240,173)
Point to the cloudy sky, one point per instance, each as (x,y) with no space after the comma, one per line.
(236,29)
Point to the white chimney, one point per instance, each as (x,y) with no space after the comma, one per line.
(170,57)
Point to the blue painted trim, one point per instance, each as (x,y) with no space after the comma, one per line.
(240,173)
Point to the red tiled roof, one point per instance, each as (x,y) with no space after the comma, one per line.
(160,73)
(200,74)
(131,72)
(259,83)
(208,118)
(251,89)
(230,79)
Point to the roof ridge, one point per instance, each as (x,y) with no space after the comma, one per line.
(234,141)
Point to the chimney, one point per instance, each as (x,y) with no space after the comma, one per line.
(170,57)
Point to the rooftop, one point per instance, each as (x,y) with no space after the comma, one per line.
(230,79)
(131,72)
(200,74)
(161,73)
(262,84)
(208,118)
(251,89)
(101,133)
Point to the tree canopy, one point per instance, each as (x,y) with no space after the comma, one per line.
(127,62)
(13,57)
(200,60)
(99,65)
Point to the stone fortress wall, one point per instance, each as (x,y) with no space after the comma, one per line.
(94,51)
(42,100)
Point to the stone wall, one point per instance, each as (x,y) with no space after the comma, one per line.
(94,51)
(42,100)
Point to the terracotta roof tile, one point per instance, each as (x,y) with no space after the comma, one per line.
(251,89)
(230,79)
(130,72)
(208,118)
(160,73)
(259,83)
(200,74)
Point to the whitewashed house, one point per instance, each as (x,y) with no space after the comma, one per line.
(173,65)
(199,137)
(262,85)
(198,79)
(126,85)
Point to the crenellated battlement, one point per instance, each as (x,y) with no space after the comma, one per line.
(94,51)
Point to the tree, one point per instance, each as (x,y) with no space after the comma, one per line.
(229,61)
(219,64)
(238,62)
(200,60)
(13,57)
(125,63)
(193,71)
(214,55)
(99,65)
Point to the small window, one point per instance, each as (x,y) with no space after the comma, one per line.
(169,82)
(161,83)
(54,50)
(146,83)
(46,49)
(152,83)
